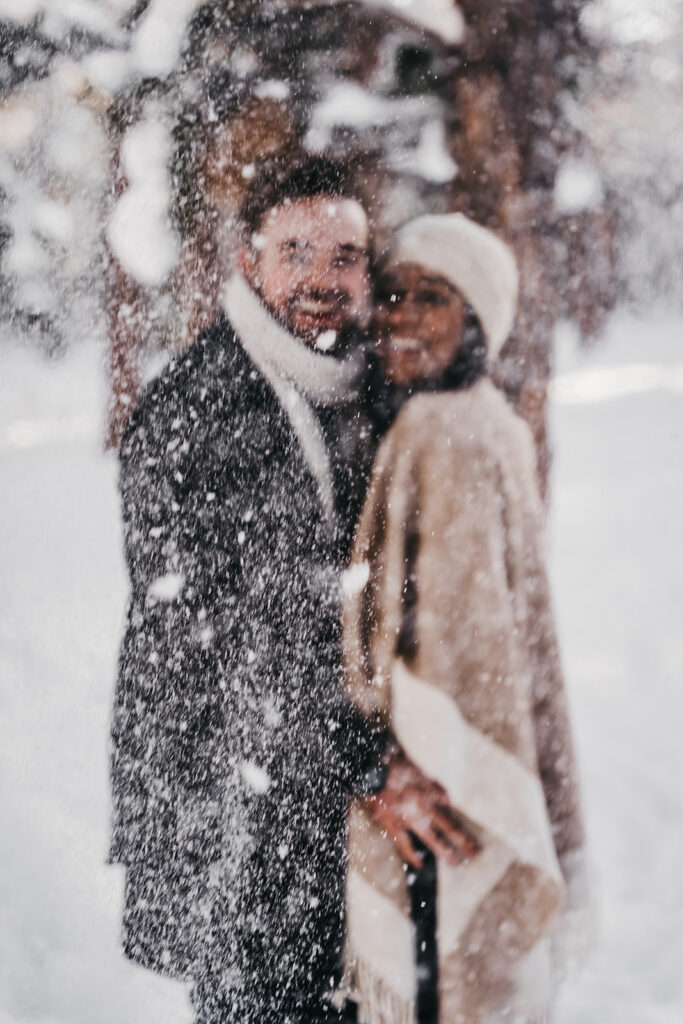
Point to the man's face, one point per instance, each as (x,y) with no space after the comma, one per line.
(310,264)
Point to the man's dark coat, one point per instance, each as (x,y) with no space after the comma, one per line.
(233,749)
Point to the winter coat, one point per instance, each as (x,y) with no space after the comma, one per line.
(450,637)
(233,750)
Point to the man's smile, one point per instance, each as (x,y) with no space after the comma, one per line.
(318,307)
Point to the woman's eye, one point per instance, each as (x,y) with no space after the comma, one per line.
(391,298)
(433,299)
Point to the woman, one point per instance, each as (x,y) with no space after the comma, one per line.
(450,640)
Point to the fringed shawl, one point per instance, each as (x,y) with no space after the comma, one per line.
(450,638)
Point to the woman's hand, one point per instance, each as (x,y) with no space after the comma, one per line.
(411,805)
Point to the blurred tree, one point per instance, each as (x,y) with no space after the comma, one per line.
(522,62)
(475,121)
(50,163)
(468,106)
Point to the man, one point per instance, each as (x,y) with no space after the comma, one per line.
(242,472)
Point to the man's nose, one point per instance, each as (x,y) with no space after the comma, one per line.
(320,276)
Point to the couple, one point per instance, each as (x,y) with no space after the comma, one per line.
(303,843)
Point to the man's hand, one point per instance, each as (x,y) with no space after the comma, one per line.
(411,805)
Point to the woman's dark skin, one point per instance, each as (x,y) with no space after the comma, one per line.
(418,325)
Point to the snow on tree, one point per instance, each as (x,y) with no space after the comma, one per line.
(497,110)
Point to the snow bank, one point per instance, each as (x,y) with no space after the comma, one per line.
(62,598)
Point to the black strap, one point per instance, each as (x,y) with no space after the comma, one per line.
(422,887)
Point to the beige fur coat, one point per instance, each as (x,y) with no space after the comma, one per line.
(450,638)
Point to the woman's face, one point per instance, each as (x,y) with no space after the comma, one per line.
(418,323)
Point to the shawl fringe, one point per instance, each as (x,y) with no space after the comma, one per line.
(377,1002)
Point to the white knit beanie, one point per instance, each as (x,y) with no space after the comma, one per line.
(478,263)
(442,17)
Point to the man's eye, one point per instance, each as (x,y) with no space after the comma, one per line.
(348,259)
(391,298)
(296,257)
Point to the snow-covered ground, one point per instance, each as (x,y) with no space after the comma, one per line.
(62,600)
(617,563)
(617,560)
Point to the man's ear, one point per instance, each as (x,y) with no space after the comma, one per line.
(247,264)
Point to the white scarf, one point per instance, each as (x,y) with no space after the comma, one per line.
(299,376)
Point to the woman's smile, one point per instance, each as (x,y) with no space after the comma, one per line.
(410,345)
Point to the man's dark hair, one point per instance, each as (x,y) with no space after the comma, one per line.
(318,176)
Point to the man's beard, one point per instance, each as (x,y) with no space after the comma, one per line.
(348,338)
(334,342)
